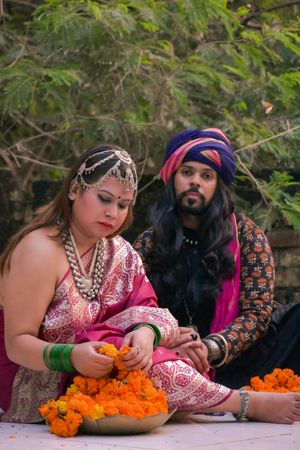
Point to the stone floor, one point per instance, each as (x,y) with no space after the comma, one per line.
(194,432)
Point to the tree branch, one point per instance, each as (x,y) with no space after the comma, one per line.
(275,136)
(246,19)
(22,2)
(29,172)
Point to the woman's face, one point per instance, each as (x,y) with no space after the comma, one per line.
(100,212)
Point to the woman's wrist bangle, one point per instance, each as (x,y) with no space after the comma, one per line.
(155,330)
(241,415)
(57,357)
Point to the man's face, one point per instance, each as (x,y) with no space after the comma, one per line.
(195,184)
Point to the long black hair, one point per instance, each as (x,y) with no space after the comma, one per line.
(181,274)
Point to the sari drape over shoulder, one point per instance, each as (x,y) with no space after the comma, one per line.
(126,299)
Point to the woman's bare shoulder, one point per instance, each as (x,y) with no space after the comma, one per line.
(34,267)
(38,248)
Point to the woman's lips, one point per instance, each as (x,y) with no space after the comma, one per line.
(106,225)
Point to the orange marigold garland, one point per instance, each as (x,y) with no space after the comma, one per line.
(129,393)
(280,380)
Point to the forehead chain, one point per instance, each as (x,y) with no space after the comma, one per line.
(129,180)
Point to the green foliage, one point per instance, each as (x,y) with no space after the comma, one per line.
(135,72)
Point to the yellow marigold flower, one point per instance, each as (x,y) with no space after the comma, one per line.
(61,406)
(97,412)
(72,389)
(108,350)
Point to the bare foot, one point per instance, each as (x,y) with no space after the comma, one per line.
(274,407)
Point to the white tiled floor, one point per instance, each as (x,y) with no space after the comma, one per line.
(195,432)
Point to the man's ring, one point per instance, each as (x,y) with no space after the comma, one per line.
(194,336)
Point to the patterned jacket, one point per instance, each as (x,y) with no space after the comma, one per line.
(256,285)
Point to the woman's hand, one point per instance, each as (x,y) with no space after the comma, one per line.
(140,355)
(89,362)
(189,346)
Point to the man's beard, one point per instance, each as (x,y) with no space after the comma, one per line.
(191,205)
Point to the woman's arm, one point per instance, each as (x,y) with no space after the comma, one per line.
(37,265)
(28,288)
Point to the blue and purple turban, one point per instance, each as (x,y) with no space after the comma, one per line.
(209,146)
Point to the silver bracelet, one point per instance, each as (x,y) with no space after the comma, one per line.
(241,415)
(214,351)
(222,343)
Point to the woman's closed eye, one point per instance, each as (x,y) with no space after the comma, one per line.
(123,206)
(104,199)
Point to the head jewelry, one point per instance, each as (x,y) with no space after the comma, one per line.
(123,168)
(209,146)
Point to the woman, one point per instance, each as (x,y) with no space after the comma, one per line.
(70,283)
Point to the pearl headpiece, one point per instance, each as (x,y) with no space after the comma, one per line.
(129,179)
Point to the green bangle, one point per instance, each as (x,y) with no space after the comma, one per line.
(57,357)
(65,358)
(46,356)
(155,330)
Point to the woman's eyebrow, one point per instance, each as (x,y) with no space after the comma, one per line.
(107,192)
(126,200)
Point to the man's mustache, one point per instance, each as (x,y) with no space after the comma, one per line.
(191,190)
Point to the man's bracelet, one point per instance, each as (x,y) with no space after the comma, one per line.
(218,357)
(155,330)
(214,351)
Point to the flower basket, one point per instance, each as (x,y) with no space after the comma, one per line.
(118,424)
(126,402)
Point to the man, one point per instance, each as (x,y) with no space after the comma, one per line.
(213,268)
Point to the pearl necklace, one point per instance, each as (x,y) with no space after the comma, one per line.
(87,284)
(190,242)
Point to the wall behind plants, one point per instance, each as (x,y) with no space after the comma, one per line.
(17,208)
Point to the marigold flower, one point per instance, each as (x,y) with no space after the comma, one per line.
(61,406)
(280,380)
(108,350)
(128,393)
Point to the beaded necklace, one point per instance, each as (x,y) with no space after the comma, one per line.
(190,242)
(86,283)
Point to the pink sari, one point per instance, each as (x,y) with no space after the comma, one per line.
(126,299)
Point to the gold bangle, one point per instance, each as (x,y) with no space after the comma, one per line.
(224,348)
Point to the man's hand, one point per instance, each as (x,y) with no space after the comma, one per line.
(189,346)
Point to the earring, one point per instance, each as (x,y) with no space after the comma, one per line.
(73,190)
